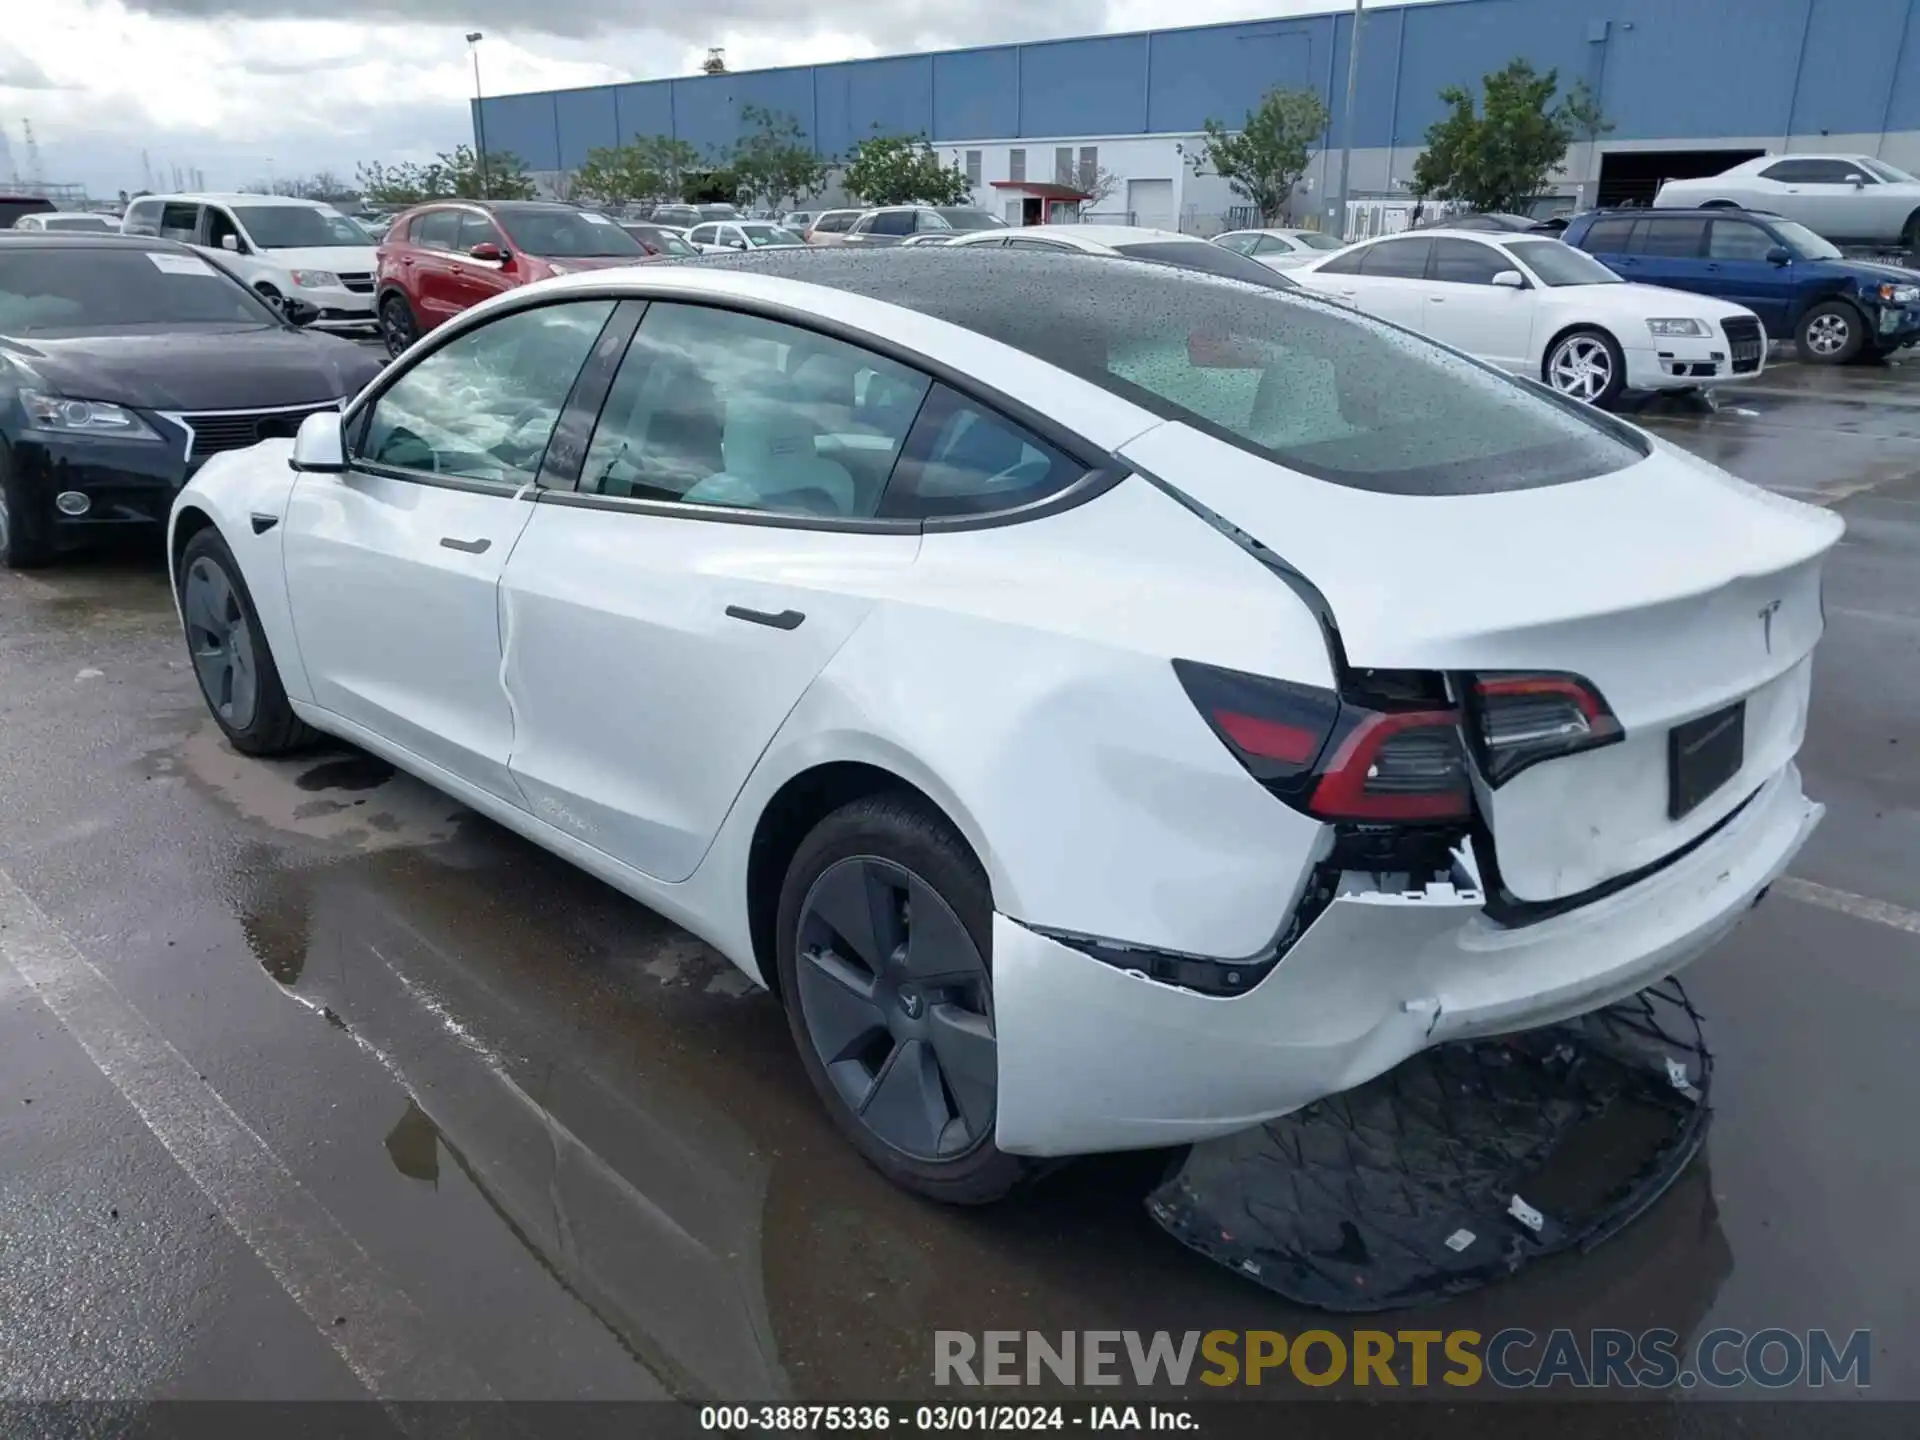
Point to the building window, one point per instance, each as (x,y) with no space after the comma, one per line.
(1016,164)
(1089,165)
(1063,165)
(973,168)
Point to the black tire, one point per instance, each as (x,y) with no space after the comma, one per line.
(224,638)
(267,292)
(25,539)
(1830,333)
(926,907)
(398,327)
(1596,347)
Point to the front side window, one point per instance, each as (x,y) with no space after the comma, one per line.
(1738,240)
(565,234)
(1555,264)
(475,229)
(296,227)
(483,406)
(713,407)
(1815,172)
(1466,262)
(1679,238)
(180,222)
(928,222)
(704,234)
(143,217)
(892,222)
(1804,243)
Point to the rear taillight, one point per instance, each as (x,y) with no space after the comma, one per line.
(1518,720)
(1334,758)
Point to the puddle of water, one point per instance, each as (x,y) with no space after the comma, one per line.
(348,772)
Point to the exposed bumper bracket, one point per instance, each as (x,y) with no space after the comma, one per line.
(1460,1165)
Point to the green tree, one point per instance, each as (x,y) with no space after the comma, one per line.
(901,169)
(1502,155)
(1264,159)
(717,184)
(452,174)
(619,175)
(773,161)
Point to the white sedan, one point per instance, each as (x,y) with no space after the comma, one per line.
(1104,716)
(1131,242)
(1540,308)
(1282,249)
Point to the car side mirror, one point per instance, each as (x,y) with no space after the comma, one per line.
(230,242)
(487,250)
(319,447)
(1779,255)
(1858,182)
(1510,280)
(296,311)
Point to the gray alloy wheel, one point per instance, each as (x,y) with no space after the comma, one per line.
(1828,334)
(895,1000)
(1582,366)
(221,643)
(397,329)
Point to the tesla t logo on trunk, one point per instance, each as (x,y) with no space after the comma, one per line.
(1767,612)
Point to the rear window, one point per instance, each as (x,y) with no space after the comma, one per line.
(1313,386)
(1206,256)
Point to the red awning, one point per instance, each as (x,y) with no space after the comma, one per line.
(1041,190)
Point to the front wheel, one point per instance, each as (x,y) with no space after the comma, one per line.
(1831,333)
(229,652)
(1587,365)
(885,934)
(24,541)
(397,326)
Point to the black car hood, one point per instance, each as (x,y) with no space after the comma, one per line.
(251,369)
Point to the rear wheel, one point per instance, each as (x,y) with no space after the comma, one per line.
(885,932)
(24,541)
(397,325)
(1831,333)
(1586,364)
(229,652)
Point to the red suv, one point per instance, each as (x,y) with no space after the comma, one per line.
(441,257)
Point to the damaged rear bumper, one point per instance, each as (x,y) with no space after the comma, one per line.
(1092,1057)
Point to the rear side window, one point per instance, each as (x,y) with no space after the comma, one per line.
(180,222)
(1398,259)
(893,222)
(1608,236)
(1677,238)
(964,459)
(143,217)
(437,229)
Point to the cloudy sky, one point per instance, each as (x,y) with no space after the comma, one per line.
(250,89)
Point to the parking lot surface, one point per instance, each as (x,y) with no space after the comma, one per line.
(313,1083)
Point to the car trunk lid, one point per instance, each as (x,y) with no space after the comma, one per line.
(1675,590)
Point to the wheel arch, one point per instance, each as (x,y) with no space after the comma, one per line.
(189,520)
(1572,327)
(801,802)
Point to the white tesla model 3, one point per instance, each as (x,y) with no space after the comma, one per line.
(1108,705)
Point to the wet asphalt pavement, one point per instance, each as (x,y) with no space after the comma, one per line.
(324,1085)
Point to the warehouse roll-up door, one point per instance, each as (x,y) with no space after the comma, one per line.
(1151,202)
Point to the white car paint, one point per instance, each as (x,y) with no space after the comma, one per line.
(1849,199)
(1281,249)
(1524,327)
(323,275)
(580,683)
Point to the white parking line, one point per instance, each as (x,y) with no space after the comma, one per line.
(357,1307)
(1879,912)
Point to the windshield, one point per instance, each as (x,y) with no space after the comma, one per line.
(565,234)
(112,289)
(1316,387)
(1892,174)
(1556,264)
(761,235)
(1803,242)
(1204,255)
(295,227)
(968,219)
(1315,240)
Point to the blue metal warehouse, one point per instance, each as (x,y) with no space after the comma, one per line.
(1690,86)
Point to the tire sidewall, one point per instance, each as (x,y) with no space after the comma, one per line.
(1856,327)
(29,543)
(397,301)
(1616,385)
(272,715)
(899,829)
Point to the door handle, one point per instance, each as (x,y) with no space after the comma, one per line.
(466,547)
(784,620)
(1437,299)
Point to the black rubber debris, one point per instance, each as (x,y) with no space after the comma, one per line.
(1459,1166)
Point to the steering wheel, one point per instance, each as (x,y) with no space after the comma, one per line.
(522,455)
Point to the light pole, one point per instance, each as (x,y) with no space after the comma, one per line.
(1339,215)
(474,37)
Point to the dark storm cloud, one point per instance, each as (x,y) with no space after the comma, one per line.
(889,24)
